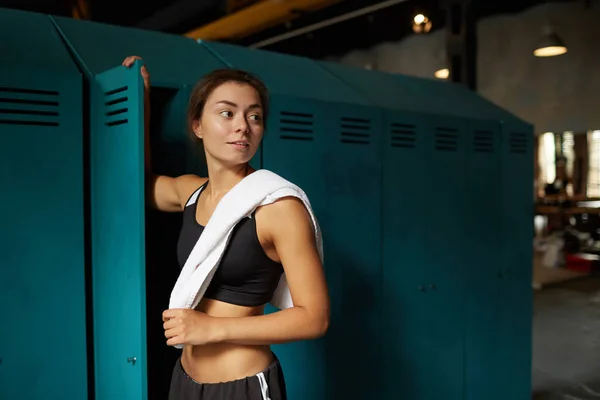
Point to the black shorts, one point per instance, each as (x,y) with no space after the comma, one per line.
(266,385)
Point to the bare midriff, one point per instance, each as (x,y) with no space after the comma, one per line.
(224,362)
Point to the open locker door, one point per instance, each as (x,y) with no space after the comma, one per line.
(118,234)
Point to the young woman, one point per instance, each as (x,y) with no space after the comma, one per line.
(226,339)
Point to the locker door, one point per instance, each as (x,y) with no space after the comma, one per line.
(118,250)
(517,207)
(42,266)
(483,337)
(353,173)
(293,147)
(405,319)
(445,210)
(294,143)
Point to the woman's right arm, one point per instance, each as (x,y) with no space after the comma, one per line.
(163,192)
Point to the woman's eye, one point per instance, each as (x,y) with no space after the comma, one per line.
(255,117)
(227,114)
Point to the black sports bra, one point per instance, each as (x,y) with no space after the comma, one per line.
(246,276)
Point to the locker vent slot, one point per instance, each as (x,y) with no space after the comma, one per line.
(518,142)
(31,107)
(116,108)
(404,135)
(446,139)
(296,126)
(483,141)
(355,130)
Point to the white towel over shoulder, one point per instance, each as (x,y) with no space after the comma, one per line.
(257,189)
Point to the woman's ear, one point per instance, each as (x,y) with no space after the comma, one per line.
(197,129)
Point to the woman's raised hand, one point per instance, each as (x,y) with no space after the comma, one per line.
(128,62)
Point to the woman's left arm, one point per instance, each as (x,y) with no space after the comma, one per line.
(290,229)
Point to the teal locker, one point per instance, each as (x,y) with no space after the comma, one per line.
(444,260)
(118,241)
(423,297)
(517,235)
(293,147)
(42,236)
(483,331)
(353,247)
(405,319)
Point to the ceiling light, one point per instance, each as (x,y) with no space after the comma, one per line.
(443,73)
(421,24)
(550,45)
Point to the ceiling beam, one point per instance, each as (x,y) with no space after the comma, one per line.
(80,9)
(257,17)
(178,12)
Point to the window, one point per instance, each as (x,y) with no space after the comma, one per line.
(593,180)
(547,159)
(568,151)
(552,147)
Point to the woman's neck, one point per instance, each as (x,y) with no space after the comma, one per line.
(221,179)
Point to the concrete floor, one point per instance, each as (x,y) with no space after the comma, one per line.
(566,341)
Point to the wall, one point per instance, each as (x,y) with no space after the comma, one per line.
(555,94)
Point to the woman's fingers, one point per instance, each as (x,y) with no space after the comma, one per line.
(128,62)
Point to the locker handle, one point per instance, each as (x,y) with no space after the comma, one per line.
(131,360)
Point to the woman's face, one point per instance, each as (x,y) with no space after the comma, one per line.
(231,126)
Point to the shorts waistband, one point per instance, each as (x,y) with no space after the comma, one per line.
(273,366)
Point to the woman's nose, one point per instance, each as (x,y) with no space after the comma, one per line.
(242,125)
